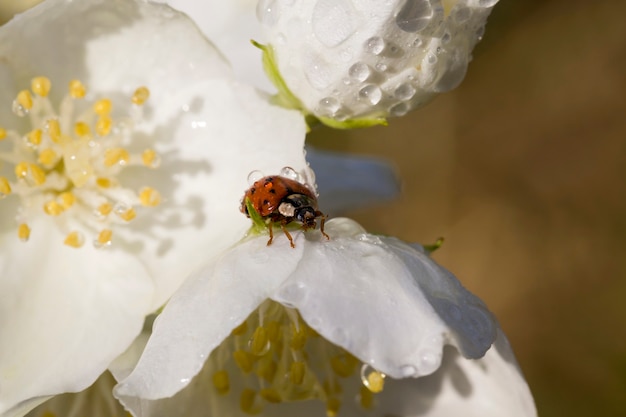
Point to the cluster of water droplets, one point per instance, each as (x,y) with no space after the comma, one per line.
(67,167)
(275,357)
(351,59)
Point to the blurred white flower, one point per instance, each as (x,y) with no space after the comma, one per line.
(114,193)
(356,62)
(358,323)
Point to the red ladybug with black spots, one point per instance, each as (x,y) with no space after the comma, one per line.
(283,200)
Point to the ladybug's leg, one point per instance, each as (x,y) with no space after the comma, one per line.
(270,226)
(286,232)
(322,221)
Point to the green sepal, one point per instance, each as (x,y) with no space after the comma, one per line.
(258,222)
(433,247)
(285,98)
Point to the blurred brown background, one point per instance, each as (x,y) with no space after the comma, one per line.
(522,169)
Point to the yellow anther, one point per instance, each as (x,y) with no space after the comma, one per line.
(259,343)
(47,157)
(40,86)
(332,407)
(273,331)
(104,125)
(266,369)
(104,209)
(296,372)
(375,381)
(140,95)
(104,237)
(34,137)
(114,156)
(103,182)
(246,401)
(52,208)
(21,170)
(343,365)
(270,395)
(241,329)
(127,215)
(5,187)
(81,129)
(30,172)
(150,158)
(54,130)
(149,197)
(244,360)
(332,387)
(221,382)
(3,133)
(298,338)
(67,199)
(102,107)
(25,99)
(366,398)
(23,232)
(77,89)
(74,239)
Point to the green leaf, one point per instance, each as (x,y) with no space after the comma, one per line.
(258,222)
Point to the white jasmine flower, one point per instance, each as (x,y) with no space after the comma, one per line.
(356,62)
(359,323)
(125,145)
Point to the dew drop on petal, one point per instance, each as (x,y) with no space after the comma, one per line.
(408,371)
(375,45)
(382,67)
(368,238)
(399,110)
(374,380)
(359,71)
(329,104)
(290,173)
(404,91)
(18,109)
(372,93)
(254,176)
(414,16)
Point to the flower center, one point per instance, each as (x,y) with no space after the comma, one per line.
(67,165)
(275,357)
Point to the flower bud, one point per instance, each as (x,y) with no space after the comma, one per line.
(356,62)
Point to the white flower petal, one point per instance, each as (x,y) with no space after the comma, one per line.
(202,314)
(361,291)
(64,314)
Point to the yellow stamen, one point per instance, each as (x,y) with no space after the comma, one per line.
(113,156)
(104,182)
(104,209)
(104,125)
(74,239)
(5,187)
(25,99)
(244,360)
(140,96)
(67,199)
(343,365)
(54,130)
(366,398)
(375,381)
(298,338)
(41,86)
(332,407)
(47,157)
(3,133)
(296,372)
(21,170)
(127,215)
(270,395)
(52,208)
(77,89)
(104,237)
(102,107)
(23,232)
(266,369)
(259,344)
(241,329)
(34,137)
(38,174)
(150,158)
(221,382)
(246,401)
(81,129)
(149,197)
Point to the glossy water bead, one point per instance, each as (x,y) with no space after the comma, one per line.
(348,59)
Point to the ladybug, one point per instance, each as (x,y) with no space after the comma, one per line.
(283,200)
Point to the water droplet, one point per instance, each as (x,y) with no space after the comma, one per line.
(359,71)
(429,361)
(399,110)
(121,208)
(267,12)
(346,81)
(372,93)
(408,371)
(418,42)
(405,91)
(98,244)
(446,38)
(414,16)
(375,45)
(290,173)
(366,237)
(254,176)
(431,59)
(18,109)
(330,104)
(259,343)
(333,21)
(374,380)
(382,67)
(487,3)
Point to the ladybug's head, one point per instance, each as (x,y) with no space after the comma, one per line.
(306,215)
